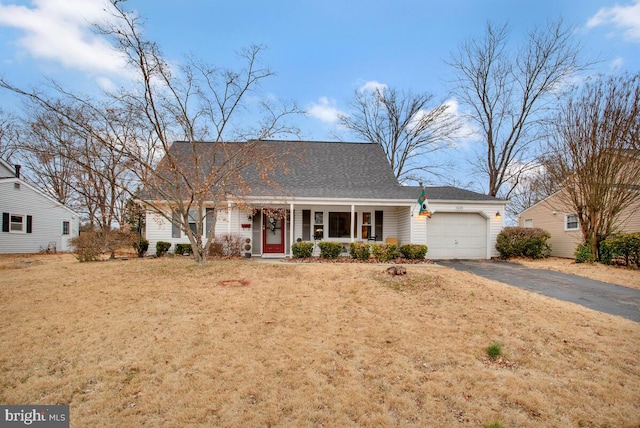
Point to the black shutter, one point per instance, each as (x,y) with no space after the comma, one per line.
(379,225)
(175,229)
(5,222)
(306,225)
(29,224)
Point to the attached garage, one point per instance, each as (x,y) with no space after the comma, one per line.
(457,236)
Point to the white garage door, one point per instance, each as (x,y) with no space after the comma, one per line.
(457,236)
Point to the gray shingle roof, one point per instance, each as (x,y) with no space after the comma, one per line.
(333,170)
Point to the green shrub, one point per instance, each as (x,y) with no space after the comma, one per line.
(385,252)
(494,350)
(413,251)
(622,248)
(528,242)
(162,248)
(360,250)
(182,249)
(141,246)
(302,250)
(583,254)
(330,250)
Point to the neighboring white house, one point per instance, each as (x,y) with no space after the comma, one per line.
(347,192)
(32,221)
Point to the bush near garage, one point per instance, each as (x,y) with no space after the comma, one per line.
(523,242)
(413,251)
(384,252)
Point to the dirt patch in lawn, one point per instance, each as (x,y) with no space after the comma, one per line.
(159,342)
(612,274)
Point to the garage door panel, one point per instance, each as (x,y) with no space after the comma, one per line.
(457,235)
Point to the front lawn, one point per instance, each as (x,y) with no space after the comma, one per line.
(162,342)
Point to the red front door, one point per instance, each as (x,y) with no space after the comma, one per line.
(272,235)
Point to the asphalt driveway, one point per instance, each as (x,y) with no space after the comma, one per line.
(600,296)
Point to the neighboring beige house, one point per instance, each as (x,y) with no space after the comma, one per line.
(554,216)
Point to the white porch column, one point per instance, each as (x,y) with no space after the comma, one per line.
(353,221)
(291,236)
(229,218)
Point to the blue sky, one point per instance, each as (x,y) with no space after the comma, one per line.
(321,51)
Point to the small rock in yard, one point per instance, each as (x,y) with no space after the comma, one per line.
(396,270)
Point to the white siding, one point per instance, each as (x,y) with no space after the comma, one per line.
(47,215)
(6,170)
(158,228)
(404,226)
(494,224)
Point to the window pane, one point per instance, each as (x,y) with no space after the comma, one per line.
(339,225)
(65,228)
(16,223)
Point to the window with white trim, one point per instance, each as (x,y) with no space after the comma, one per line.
(570,222)
(366,226)
(17,223)
(339,224)
(193,219)
(66,228)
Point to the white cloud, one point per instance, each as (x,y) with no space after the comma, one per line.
(61,31)
(617,63)
(468,131)
(626,18)
(325,110)
(372,86)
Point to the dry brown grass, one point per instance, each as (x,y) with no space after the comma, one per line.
(239,343)
(614,274)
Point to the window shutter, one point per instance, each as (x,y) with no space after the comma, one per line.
(5,222)
(379,215)
(29,224)
(175,229)
(306,225)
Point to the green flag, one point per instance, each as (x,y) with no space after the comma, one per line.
(425,211)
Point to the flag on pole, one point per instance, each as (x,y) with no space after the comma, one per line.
(425,211)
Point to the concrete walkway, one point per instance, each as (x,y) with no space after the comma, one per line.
(600,296)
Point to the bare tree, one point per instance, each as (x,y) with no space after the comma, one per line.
(507,91)
(408,127)
(9,135)
(594,153)
(65,149)
(532,188)
(190,182)
(198,102)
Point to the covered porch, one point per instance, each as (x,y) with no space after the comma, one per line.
(275,227)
